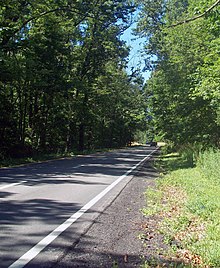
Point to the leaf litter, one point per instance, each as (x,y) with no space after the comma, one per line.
(172,252)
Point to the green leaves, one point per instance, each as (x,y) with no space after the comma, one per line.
(62,79)
(185,81)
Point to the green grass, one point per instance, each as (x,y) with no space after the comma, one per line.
(192,189)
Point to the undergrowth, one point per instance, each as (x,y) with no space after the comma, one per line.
(187,198)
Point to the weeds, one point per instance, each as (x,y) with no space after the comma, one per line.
(188,199)
(209,164)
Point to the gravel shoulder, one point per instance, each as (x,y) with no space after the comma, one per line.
(113,239)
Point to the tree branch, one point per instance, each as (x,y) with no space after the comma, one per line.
(197,17)
(62,8)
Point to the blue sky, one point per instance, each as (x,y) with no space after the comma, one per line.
(136,58)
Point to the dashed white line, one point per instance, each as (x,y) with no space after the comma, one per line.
(34,251)
(79,166)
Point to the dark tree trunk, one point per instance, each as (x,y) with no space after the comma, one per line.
(81,137)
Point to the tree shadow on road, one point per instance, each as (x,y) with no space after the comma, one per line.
(50,211)
(72,170)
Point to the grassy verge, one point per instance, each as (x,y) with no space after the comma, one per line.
(186,199)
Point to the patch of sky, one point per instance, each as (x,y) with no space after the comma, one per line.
(137,56)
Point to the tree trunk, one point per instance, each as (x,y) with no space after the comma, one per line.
(81,137)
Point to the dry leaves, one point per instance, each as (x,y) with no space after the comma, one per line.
(188,258)
(172,201)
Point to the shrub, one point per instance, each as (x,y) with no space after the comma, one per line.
(209,164)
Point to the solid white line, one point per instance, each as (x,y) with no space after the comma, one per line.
(34,251)
(11,185)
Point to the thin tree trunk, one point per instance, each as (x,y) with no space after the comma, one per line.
(81,137)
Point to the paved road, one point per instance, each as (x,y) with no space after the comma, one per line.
(45,207)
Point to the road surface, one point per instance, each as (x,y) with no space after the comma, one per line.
(45,207)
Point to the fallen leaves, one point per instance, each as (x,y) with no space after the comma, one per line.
(170,221)
(189,258)
(194,231)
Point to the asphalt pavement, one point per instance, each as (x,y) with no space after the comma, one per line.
(46,207)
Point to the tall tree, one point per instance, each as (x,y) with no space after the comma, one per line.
(184,83)
(55,56)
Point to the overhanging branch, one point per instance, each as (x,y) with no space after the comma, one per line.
(62,8)
(197,17)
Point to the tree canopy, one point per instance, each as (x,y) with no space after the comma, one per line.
(63,79)
(182,44)
(63,84)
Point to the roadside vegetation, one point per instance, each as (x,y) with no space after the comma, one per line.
(186,204)
(182,45)
(63,80)
(183,55)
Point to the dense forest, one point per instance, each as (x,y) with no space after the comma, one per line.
(183,48)
(63,79)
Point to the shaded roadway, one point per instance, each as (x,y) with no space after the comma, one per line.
(51,193)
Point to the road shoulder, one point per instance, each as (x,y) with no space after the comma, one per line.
(113,239)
